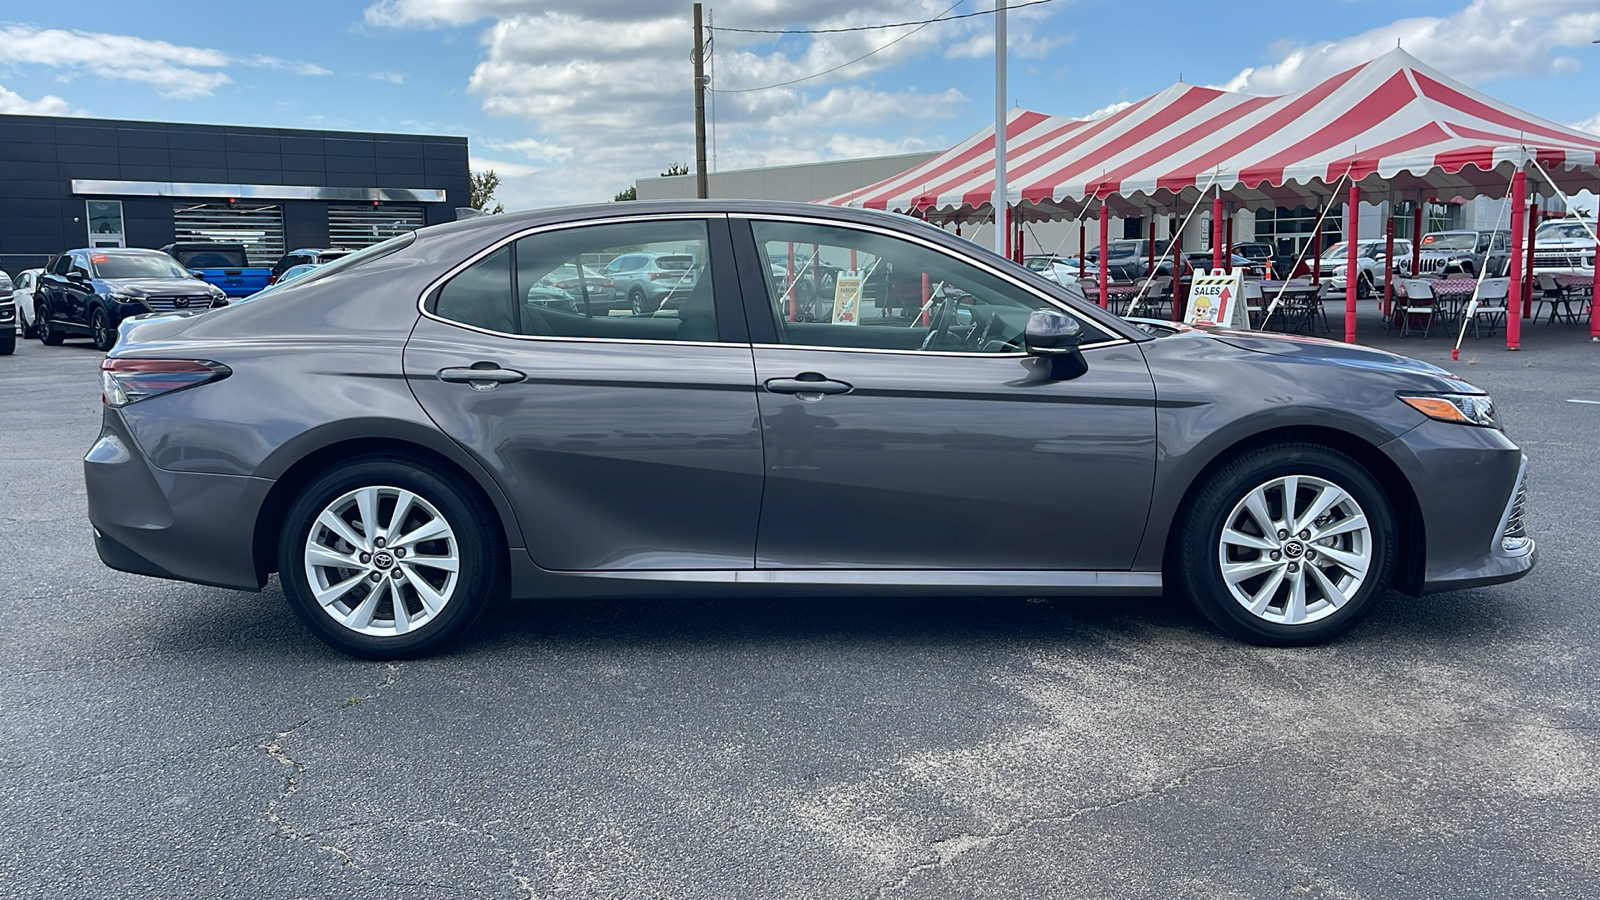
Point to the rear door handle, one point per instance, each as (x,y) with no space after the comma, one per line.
(482,379)
(814,385)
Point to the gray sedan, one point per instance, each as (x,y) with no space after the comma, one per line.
(402,441)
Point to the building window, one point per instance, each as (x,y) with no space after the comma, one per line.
(258,226)
(105,223)
(362,226)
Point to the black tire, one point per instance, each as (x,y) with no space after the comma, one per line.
(479,549)
(48,335)
(100,330)
(639,303)
(8,342)
(1197,555)
(1363,286)
(28,331)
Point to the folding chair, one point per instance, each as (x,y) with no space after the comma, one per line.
(1552,293)
(1493,294)
(1418,303)
(1253,303)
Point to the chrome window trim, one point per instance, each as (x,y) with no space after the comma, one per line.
(422,300)
(930,245)
(958,353)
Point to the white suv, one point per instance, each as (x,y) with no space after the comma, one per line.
(1563,246)
(1369,264)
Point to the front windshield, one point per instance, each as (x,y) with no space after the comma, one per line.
(154,265)
(1451,240)
(1561,231)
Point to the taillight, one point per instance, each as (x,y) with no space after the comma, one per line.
(272,279)
(607,283)
(124,381)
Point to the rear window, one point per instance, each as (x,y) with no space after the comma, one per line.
(211,257)
(675,262)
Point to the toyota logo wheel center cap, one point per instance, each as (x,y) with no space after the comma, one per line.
(382,559)
(1294,550)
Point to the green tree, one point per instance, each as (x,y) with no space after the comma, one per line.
(484,184)
(629,193)
(676,169)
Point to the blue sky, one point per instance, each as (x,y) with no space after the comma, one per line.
(570,101)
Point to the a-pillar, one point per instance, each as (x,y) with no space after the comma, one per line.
(1519,193)
(1351,270)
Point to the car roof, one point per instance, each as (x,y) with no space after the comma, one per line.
(116,251)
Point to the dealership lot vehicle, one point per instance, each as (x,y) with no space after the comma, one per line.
(23,287)
(1462,252)
(1566,245)
(227,266)
(89,292)
(305,257)
(731,448)
(8,316)
(653,280)
(1369,264)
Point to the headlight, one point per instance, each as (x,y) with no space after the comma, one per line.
(1464,409)
(120,297)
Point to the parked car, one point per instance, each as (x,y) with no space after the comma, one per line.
(89,292)
(652,281)
(304,257)
(8,316)
(1011,443)
(1564,245)
(225,265)
(1259,252)
(25,283)
(1369,264)
(1060,269)
(1202,259)
(1462,252)
(1128,260)
(598,293)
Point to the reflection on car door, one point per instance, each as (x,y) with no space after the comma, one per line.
(615,453)
(945,460)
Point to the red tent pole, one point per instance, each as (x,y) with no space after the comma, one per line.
(1594,299)
(1216,231)
(1352,217)
(1006,224)
(926,293)
(1228,239)
(1105,246)
(1388,261)
(1316,248)
(1021,237)
(1519,190)
(1533,225)
(1177,276)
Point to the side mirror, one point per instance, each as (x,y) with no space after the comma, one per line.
(1054,336)
(76,277)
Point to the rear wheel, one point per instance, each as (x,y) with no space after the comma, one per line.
(639,303)
(48,335)
(386,559)
(1287,545)
(29,329)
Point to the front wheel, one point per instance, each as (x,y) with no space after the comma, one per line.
(1287,545)
(385,559)
(48,335)
(105,337)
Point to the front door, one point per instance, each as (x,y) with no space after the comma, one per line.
(623,442)
(921,436)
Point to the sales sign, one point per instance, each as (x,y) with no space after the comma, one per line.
(1217,299)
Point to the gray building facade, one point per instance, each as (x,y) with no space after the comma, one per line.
(76,182)
(801,183)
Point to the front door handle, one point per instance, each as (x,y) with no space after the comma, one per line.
(482,376)
(808,383)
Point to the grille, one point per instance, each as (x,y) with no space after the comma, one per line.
(168,304)
(1562,259)
(1515,526)
(1434,264)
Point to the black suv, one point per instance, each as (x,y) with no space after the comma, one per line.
(89,292)
(305,258)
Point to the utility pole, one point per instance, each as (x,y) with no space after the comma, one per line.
(1002,217)
(700,187)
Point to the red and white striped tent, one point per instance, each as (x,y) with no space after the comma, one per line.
(1391,128)
(1394,125)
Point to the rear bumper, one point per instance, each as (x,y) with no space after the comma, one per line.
(181,525)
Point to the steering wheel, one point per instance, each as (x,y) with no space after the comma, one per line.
(944,316)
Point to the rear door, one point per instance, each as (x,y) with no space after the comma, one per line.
(622,442)
(925,438)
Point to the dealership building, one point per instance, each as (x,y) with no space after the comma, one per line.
(72,182)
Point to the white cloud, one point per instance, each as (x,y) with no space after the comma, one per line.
(1108,110)
(48,105)
(174,70)
(606,93)
(1486,40)
(1591,124)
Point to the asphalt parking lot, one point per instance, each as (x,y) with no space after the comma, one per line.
(168,740)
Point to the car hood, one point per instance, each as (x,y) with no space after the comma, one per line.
(165,287)
(1564,244)
(1325,352)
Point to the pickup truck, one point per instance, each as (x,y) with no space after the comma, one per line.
(223,265)
(1563,246)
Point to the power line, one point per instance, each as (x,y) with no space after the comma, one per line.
(942,17)
(843,64)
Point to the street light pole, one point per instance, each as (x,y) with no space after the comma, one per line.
(1002,218)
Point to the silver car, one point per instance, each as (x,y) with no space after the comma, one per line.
(403,439)
(650,281)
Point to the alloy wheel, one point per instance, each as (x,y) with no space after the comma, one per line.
(382,561)
(1295,550)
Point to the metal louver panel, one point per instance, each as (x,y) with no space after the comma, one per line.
(258,226)
(363,226)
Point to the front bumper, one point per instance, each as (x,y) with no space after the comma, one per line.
(181,525)
(1470,485)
